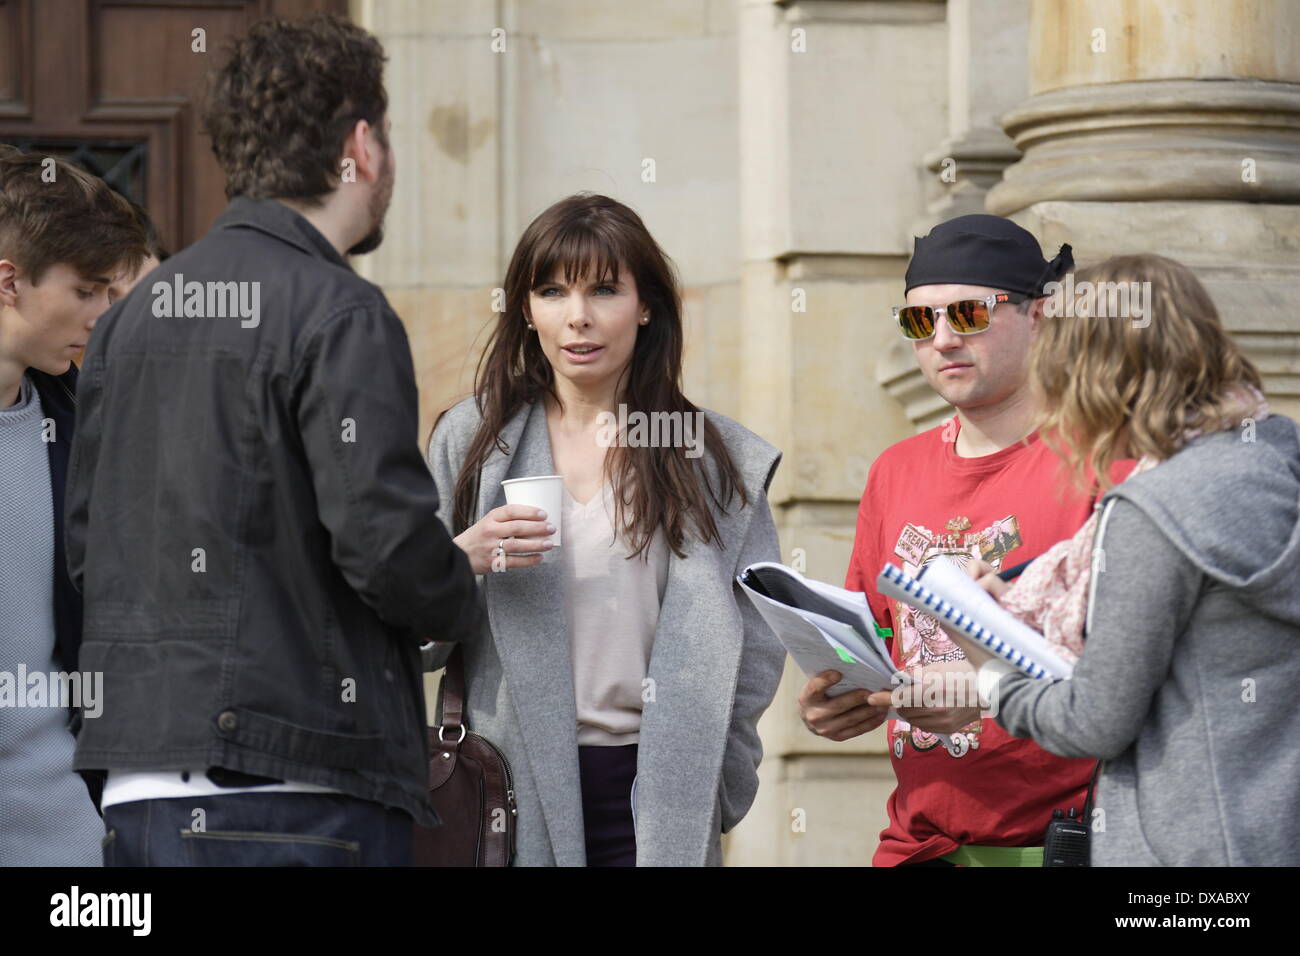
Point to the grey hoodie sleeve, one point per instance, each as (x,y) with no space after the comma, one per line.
(1144,599)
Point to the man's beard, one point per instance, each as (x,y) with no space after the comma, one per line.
(378,209)
(370,243)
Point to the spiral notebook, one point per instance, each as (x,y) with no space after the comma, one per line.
(945,591)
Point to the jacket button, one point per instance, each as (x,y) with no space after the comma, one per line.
(228,721)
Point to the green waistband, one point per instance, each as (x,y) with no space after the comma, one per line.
(995,856)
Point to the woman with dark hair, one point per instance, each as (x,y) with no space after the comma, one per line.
(622,674)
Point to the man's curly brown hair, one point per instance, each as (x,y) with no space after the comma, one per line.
(279,107)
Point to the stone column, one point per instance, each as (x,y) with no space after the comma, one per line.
(986,61)
(1172,128)
(830,137)
(441,259)
(987,64)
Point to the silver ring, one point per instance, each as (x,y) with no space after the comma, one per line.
(500,552)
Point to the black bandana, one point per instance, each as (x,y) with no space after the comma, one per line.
(984,250)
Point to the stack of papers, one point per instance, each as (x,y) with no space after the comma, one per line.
(824,628)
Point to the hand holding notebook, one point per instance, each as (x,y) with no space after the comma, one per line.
(943,590)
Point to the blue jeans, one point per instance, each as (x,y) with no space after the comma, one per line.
(257,829)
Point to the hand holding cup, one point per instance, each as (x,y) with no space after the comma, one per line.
(526,532)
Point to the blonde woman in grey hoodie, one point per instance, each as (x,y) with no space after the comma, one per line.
(1185,686)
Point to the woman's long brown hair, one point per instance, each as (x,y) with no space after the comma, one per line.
(1111,383)
(593,235)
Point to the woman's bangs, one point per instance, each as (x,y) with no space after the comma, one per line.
(574,253)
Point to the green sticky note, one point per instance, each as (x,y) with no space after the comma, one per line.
(845,655)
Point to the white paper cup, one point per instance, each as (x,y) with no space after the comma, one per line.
(545,492)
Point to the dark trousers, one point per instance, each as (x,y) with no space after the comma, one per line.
(607,774)
(257,829)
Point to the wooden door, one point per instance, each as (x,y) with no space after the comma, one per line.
(112,84)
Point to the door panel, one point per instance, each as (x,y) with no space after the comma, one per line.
(113,84)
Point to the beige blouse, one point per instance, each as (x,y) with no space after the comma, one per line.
(612,605)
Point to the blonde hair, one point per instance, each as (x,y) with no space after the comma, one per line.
(1111,386)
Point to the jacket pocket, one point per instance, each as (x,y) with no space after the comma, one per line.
(280,738)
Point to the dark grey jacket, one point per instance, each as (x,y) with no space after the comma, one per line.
(253,527)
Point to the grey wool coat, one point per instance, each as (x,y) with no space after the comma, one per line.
(715,665)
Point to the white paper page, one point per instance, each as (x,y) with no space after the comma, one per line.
(812,641)
(847,638)
(853,602)
(848,607)
(811,649)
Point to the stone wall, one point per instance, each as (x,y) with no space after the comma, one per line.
(797,147)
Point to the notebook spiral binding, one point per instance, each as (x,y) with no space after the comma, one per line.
(942,608)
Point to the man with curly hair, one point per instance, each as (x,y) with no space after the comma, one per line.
(250,520)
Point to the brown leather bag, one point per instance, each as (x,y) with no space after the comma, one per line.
(471,789)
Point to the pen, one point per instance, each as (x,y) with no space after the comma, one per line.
(1015,572)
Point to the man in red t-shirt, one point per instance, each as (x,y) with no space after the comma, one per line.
(980,479)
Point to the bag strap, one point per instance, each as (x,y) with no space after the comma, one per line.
(1087,802)
(453,676)
(1086,816)
(453,690)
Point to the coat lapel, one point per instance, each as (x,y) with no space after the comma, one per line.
(527,615)
(694,667)
(684,728)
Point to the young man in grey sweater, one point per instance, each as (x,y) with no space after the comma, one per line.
(65,236)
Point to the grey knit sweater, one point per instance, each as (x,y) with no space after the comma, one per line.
(46,817)
(1187,684)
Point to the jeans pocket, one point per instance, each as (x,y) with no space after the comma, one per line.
(265,848)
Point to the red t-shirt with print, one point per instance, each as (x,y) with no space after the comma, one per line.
(923,500)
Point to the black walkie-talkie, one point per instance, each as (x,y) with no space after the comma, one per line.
(1066,842)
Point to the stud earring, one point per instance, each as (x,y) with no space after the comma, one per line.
(645,320)
(529,324)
